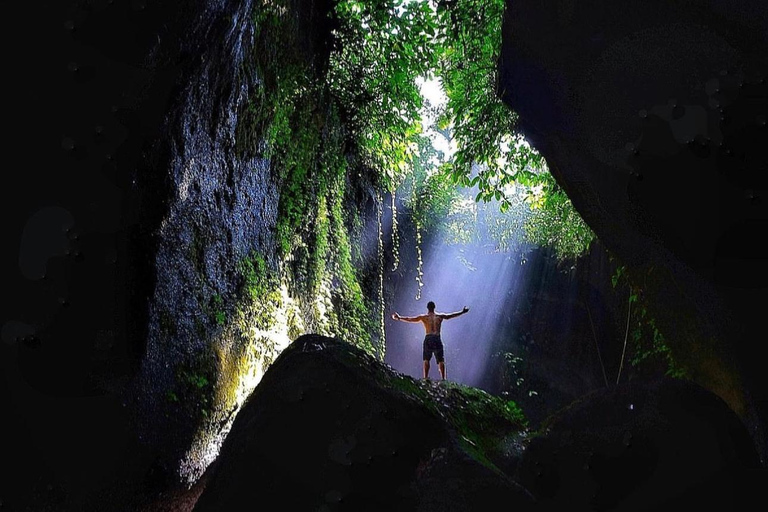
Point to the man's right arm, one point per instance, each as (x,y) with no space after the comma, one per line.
(412,319)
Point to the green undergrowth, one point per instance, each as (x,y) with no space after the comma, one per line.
(292,119)
(193,390)
(649,350)
(481,422)
(260,285)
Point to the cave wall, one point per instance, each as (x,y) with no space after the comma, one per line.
(218,209)
(652,116)
(89,99)
(146,239)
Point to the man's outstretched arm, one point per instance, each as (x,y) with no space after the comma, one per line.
(446,316)
(395,316)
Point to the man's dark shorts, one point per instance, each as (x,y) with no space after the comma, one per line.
(433,344)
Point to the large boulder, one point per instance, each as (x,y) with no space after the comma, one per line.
(331,428)
(662,445)
(652,116)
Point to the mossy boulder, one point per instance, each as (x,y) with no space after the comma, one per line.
(657,445)
(332,428)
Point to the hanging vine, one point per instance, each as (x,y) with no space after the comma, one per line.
(626,334)
(419,272)
(395,235)
(382,345)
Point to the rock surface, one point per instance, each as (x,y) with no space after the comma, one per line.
(663,445)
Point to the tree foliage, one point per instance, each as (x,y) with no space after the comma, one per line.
(383,48)
(483,125)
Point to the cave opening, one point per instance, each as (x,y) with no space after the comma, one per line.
(402,177)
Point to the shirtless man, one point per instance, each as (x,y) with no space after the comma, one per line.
(432,342)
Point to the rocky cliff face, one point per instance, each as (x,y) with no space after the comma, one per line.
(224,301)
(651,117)
(219,209)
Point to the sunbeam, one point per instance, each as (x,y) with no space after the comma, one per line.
(457,275)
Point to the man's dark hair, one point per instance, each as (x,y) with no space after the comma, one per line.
(431,306)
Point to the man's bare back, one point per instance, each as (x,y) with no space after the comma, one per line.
(432,322)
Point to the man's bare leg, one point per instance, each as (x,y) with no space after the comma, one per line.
(426,369)
(441,367)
